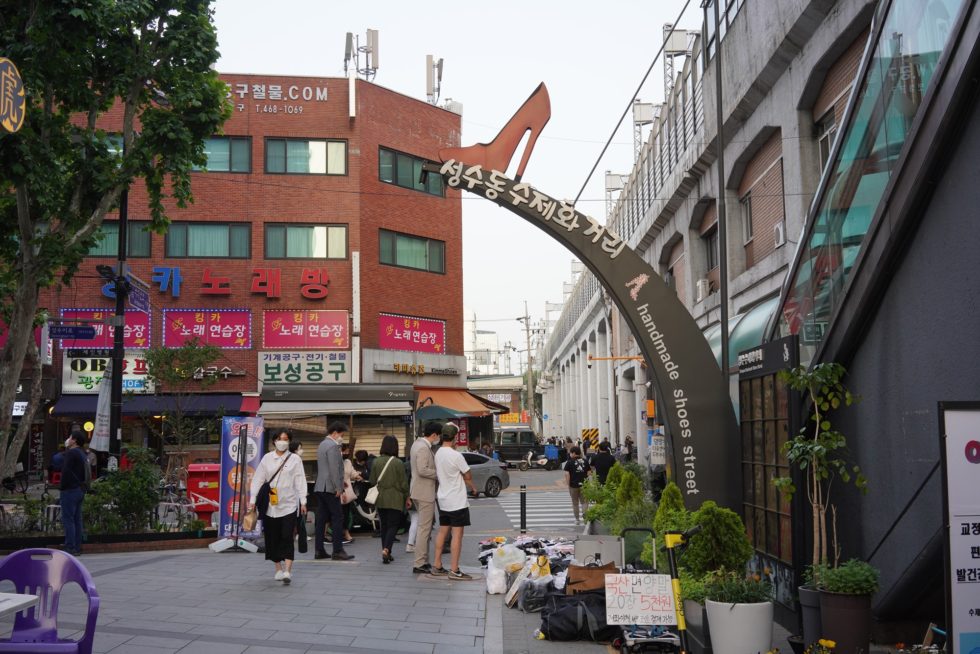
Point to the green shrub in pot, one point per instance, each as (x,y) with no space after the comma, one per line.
(853,577)
(721,544)
(730,587)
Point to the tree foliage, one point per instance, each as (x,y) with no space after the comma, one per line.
(150,64)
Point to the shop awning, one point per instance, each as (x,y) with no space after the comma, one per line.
(203,404)
(459,400)
(745,331)
(299,409)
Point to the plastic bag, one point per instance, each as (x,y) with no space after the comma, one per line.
(509,558)
(496,581)
(559,581)
(541,567)
(533,594)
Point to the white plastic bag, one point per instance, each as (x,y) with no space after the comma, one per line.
(496,581)
(509,558)
(560,580)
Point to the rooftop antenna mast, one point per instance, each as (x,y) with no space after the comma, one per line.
(433,78)
(362,54)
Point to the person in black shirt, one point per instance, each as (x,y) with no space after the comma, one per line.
(603,461)
(73,486)
(576,470)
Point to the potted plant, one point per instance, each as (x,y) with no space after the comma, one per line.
(198,526)
(818,452)
(845,604)
(740,611)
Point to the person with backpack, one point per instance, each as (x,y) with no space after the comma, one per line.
(283,472)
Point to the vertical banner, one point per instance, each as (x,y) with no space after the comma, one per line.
(232,428)
(463,437)
(960,446)
(103,409)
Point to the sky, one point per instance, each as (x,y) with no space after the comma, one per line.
(591,55)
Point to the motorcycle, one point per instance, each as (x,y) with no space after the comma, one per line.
(533,460)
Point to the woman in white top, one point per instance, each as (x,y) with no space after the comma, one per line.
(284,471)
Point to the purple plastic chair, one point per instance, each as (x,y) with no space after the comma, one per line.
(44,573)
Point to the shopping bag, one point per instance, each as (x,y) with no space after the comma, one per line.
(301,542)
(249,520)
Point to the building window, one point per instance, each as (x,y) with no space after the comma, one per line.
(711,241)
(137,237)
(826,130)
(228,154)
(406,171)
(305,157)
(209,240)
(764,408)
(305,241)
(413,252)
(670,280)
(745,209)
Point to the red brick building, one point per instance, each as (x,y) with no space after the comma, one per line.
(312,255)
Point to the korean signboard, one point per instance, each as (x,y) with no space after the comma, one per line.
(308,367)
(235,432)
(411,333)
(227,329)
(136,333)
(12,104)
(640,599)
(82,371)
(297,329)
(279,97)
(960,439)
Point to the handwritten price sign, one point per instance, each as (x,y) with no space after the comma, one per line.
(640,599)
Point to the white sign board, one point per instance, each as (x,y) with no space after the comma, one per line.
(304,367)
(640,599)
(82,371)
(20,408)
(962,458)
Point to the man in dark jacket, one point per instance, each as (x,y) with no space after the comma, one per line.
(603,461)
(73,486)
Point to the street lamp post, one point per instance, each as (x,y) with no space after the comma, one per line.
(121,284)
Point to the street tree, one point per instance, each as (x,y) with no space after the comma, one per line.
(151,62)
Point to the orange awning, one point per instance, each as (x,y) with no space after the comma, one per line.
(458,399)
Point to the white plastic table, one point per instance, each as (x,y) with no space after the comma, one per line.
(14,602)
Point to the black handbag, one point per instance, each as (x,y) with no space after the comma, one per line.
(301,536)
(262,497)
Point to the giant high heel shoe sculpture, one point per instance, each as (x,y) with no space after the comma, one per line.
(496,155)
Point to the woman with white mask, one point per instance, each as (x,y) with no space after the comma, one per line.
(283,470)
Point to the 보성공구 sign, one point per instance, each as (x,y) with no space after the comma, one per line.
(291,367)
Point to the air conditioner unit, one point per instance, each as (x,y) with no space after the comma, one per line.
(779,233)
(703,289)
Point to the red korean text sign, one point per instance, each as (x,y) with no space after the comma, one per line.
(228,329)
(296,329)
(411,333)
(136,333)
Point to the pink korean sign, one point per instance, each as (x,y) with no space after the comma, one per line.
(296,329)
(411,333)
(228,329)
(136,333)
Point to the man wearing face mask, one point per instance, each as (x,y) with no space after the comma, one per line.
(329,489)
(73,485)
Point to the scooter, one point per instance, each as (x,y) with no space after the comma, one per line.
(536,461)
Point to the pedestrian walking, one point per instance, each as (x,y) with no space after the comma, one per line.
(454,509)
(603,461)
(283,471)
(347,499)
(329,488)
(73,486)
(388,474)
(576,470)
(423,492)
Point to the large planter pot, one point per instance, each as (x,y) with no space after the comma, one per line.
(810,610)
(696,618)
(740,628)
(846,619)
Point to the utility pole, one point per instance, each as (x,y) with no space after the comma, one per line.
(529,394)
(722,213)
(119,328)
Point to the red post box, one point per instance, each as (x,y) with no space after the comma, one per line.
(203,482)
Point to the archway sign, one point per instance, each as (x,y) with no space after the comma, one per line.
(703,429)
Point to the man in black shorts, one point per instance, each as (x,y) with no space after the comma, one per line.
(454,509)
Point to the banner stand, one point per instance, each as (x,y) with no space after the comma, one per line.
(234,541)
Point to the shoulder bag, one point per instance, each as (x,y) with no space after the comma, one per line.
(262,498)
(372,495)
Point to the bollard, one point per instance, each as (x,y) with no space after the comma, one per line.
(523,509)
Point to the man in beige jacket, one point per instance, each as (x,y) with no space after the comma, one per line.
(423,491)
